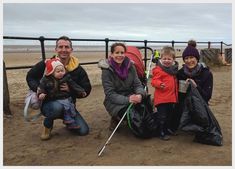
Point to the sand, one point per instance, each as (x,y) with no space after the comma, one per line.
(22,145)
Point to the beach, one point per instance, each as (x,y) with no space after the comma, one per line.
(22,145)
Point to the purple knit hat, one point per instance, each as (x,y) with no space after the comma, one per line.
(191,51)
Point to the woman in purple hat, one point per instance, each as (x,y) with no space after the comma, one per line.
(199,74)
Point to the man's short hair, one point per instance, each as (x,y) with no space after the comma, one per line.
(64,38)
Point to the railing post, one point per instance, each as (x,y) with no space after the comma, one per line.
(209,45)
(145,53)
(221,48)
(173,43)
(6,96)
(106,47)
(42,39)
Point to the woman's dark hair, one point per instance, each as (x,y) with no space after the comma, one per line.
(113,46)
(64,38)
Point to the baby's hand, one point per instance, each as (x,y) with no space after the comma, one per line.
(84,94)
(42,96)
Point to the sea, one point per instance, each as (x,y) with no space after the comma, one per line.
(89,48)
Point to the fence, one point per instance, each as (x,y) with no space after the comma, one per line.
(42,39)
(145,43)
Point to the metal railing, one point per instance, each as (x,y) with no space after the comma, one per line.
(42,39)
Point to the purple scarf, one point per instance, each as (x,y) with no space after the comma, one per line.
(192,72)
(121,71)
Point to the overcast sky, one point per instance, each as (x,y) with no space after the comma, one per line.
(155,21)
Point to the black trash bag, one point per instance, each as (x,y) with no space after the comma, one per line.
(140,119)
(198,118)
(213,136)
(193,117)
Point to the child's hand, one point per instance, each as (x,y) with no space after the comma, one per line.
(162,85)
(42,96)
(83,94)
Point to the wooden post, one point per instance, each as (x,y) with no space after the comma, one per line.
(6,96)
(211,56)
(228,55)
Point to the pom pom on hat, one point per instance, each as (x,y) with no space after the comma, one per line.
(191,51)
(51,64)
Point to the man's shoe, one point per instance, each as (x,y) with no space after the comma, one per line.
(46,133)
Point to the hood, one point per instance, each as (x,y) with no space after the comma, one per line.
(73,64)
(103,64)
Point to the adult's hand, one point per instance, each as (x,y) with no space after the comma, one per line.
(64,87)
(135,98)
(193,82)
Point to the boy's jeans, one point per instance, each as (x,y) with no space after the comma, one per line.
(54,110)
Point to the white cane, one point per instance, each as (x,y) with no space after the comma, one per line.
(102,149)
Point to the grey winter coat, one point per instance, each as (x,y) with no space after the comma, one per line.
(117,91)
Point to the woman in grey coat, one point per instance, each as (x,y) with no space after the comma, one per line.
(120,83)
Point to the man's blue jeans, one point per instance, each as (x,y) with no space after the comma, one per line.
(54,110)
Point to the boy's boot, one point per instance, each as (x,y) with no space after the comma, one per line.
(171,132)
(46,133)
(162,134)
